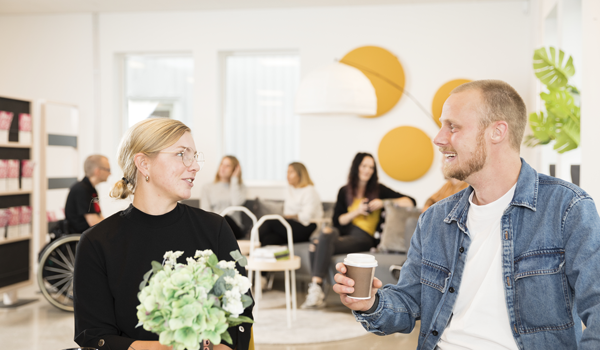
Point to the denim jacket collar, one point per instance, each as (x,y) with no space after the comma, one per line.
(526,195)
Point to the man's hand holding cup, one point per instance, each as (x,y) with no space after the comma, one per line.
(355,282)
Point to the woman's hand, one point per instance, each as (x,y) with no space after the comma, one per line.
(375,204)
(345,286)
(236,172)
(363,208)
(404,202)
(147,344)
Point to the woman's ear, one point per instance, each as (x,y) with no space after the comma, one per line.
(142,163)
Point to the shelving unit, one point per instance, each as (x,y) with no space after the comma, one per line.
(16,253)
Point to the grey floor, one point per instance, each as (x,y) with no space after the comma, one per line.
(40,326)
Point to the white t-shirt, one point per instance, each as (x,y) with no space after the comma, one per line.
(480,317)
(304,202)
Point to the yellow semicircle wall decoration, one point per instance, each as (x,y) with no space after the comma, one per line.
(441,96)
(406,153)
(383,70)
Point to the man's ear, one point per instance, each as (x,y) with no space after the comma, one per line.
(499,131)
(142,163)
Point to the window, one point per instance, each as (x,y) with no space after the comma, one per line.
(259,124)
(158,86)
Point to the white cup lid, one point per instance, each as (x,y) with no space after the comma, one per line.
(360,260)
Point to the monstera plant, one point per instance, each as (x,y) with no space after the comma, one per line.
(560,122)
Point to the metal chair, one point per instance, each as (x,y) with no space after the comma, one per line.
(243,244)
(288,266)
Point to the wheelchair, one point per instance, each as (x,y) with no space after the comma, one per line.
(56,264)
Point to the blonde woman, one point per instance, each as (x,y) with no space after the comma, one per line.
(301,206)
(227,190)
(159,162)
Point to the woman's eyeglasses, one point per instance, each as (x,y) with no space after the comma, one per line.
(188,157)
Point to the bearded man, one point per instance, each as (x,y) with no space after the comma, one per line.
(511,262)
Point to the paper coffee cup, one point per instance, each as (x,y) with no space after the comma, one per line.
(361,268)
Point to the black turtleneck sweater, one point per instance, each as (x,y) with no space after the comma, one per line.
(113,256)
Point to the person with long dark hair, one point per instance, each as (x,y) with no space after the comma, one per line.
(356,218)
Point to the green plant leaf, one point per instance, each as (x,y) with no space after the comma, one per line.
(543,128)
(568,138)
(226,337)
(550,67)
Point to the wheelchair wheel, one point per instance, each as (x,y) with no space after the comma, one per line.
(55,271)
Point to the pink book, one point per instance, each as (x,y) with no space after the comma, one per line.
(5,120)
(13,169)
(24,122)
(14,218)
(25,215)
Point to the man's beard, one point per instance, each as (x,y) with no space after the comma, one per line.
(473,165)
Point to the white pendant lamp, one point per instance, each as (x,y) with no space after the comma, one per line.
(336,89)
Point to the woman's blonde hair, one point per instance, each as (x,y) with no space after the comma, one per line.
(234,162)
(149,137)
(300,169)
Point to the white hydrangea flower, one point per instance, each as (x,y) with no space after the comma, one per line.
(233,302)
(242,282)
(203,253)
(227,264)
(171,257)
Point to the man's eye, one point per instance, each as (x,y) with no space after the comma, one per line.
(180,154)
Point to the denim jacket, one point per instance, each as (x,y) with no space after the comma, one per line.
(550,236)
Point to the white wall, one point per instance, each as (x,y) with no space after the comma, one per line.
(435,43)
(50,57)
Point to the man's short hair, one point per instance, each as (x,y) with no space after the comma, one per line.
(501,102)
(91,163)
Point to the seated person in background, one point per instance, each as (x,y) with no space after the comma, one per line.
(356,217)
(82,209)
(451,187)
(301,206)
(227,190)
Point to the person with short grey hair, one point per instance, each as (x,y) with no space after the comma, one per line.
(82,209)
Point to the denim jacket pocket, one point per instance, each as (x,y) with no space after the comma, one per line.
(541,291)
(434,275)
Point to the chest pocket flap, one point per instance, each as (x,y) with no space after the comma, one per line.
(539,262)
(434,275)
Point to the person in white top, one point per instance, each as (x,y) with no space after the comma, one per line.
(227,190)
(301,207)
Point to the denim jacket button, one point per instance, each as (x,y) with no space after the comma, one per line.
(451,290)
(462,250)
(435,333)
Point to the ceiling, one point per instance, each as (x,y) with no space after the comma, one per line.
(70,6)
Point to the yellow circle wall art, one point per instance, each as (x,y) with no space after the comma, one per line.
(441,96)
(406,153)
(383,70)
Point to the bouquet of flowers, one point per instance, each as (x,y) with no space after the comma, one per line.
(188,303)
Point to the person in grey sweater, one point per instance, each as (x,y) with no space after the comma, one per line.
(227,190)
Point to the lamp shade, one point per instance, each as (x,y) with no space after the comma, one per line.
(336,89)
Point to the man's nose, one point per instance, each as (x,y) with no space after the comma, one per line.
(441,138)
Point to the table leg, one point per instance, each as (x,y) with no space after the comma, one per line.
(294,302)
(287,298)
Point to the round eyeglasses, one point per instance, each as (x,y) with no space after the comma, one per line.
(188,157)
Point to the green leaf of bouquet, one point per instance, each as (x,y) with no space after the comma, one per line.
(217,271)
(212,261)
(142,285)
(233,321)
(156,266)
(219,287)
(226,337)
(246,300)
(245,319)
(239,258)
(551,68)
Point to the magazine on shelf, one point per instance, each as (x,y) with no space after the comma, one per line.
(271,253)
